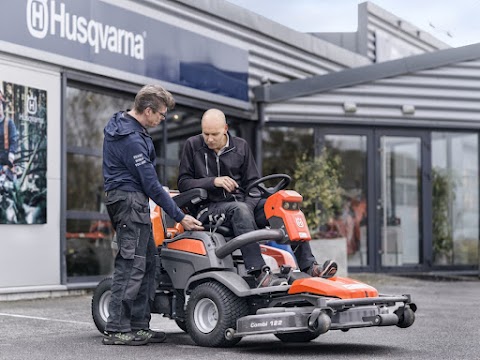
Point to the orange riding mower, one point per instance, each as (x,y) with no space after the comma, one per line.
(204,287)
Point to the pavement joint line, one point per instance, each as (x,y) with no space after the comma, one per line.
(45,319)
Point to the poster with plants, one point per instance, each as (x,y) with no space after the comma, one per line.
(23,154)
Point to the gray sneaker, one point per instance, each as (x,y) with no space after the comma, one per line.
(125,338)
(151,335)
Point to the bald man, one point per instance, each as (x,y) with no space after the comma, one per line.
(223,165)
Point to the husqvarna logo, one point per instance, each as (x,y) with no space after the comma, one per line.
(44,18)
(32,105)
(37,18)
(299,222)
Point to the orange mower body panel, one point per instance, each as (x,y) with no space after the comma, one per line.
(285,205)
(157,225)
(282,257)
(339,287)
(188,245)
(159,229)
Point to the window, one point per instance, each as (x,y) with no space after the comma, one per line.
(89,233)
(455,198)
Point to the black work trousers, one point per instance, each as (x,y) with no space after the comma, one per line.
(133,286)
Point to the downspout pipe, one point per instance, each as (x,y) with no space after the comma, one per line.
(261,100)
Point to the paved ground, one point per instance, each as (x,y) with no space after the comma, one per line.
(447,327)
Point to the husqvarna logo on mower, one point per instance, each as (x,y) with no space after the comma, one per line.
(45,18)
(299,222)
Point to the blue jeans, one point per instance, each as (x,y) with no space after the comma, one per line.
(133,285)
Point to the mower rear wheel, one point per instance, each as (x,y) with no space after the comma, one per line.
(211,310)
(100,301)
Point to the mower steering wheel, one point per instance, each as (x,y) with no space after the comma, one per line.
(284,181)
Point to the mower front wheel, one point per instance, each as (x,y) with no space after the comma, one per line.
(406,318)
(298,337)
(211,310)
(320,326)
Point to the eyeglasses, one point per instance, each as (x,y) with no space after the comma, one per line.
(164,114)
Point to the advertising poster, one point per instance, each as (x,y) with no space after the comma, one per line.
(23,154)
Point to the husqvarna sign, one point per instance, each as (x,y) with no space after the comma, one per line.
(103,34)
(47,18)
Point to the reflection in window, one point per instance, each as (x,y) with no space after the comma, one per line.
(87,114)
(283,146)
(88,230)
(351,221)
(89,250)
(84,182)
(455,198)
(400,163)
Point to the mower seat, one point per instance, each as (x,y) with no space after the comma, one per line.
(190,199)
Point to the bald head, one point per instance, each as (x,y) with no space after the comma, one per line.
(214,129)
(213,116)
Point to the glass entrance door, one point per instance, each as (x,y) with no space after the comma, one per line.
(399,210)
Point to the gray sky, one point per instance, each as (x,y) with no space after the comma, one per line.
(455,22)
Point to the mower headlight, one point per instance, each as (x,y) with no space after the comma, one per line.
(291,205)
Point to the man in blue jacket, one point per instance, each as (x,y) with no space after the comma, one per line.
(130,180)
(224,165)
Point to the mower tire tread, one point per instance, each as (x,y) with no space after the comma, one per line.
(229,307)
(99,308)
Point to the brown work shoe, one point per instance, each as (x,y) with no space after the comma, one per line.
(266,278)
(328,270)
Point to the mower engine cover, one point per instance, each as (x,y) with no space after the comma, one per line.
(339,287)
(282,209)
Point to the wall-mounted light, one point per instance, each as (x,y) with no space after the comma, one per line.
(408,109)
(349,107)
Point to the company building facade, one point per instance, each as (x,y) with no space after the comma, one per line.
(67,66)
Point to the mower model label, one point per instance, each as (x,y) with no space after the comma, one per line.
(271,323)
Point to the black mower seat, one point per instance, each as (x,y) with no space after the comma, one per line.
(189,198)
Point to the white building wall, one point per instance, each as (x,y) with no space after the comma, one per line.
(30,254)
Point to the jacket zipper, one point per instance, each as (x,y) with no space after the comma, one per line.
(218,172)
(218,167)
(206,163)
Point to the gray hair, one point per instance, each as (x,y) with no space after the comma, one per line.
(153,96)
